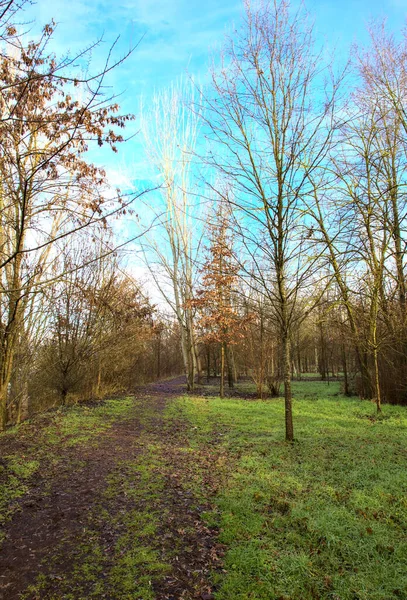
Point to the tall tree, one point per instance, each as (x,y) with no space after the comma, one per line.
(170,131)
(271,124)
(219,320)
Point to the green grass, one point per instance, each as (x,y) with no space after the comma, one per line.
(117,553)
(69,425)
(324,518)
(14,477)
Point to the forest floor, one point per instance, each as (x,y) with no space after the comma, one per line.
(164,495)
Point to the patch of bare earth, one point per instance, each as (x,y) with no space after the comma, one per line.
(62,506)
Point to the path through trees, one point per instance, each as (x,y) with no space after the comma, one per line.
(96,516)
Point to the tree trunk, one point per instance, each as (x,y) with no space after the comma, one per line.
(215,363)
(377,379)
(322,362)
(7,360)
(399,252)
(3,407)
(375,348)
(64,394)
(222,371)
(345,372)
(99,379)
(229,364)
(197,363)
(299,370)
(234,369)
(261,374)
(289,428)
(187,357)
(366,380)
(159,355)
(23,405)
(273,367)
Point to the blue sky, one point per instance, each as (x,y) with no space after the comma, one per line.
(178,36)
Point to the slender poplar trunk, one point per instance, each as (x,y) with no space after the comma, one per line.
(222,370)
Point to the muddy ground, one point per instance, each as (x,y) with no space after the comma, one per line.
(68,511)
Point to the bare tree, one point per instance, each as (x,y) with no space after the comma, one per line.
(360,215)
(271,124)
(170,130)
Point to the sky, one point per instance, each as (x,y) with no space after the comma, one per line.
(175,38)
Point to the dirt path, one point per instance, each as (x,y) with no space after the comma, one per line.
(119,517)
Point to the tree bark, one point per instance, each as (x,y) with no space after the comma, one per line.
(3,407)
(229,364)
(289,428)
(222,371)
(345,372)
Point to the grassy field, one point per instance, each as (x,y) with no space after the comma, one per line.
(96,502)
(324,518)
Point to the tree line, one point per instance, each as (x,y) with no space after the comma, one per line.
(72,321)
(308,160)
(279,238)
